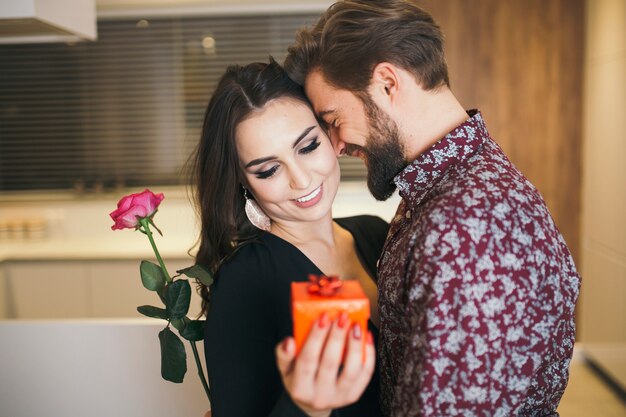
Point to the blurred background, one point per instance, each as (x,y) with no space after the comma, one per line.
(102,98)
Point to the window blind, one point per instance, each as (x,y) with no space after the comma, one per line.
(127,109)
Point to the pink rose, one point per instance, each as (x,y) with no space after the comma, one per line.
(133,207)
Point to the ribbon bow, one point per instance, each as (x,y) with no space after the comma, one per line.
(323,285)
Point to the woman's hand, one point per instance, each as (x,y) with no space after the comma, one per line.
(313,379)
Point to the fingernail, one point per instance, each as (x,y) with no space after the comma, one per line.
(323,322)
(370,338)
(285,345)
(343,320)
(356,331)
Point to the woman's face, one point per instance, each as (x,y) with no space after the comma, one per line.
(288,161)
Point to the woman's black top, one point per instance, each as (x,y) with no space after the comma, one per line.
(250,314)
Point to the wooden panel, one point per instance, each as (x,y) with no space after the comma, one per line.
(603,298)
(603,243)
(520,63)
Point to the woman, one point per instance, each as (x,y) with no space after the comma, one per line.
(266,177)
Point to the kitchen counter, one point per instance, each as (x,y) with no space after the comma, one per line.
(80,229)
(123,245)
(73,251)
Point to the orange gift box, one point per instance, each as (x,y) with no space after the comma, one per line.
(308,304)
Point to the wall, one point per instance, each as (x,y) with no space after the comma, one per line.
(520,63)
(603,232)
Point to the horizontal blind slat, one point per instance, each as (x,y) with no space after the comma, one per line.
(128,108)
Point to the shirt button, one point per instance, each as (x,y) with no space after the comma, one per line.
(408,214)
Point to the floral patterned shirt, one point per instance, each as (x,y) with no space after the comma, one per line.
(476,288)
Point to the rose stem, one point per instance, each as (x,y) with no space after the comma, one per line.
(146,227)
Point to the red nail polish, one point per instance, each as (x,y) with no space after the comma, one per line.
(285,345)
(356,331)
(343,320)
(370,338)
(323,321)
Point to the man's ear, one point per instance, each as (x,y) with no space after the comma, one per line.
(385,82)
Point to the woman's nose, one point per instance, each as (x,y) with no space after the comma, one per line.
(300,177)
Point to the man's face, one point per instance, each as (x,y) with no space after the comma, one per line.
(359,128)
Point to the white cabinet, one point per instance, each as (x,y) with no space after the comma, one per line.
(46,290)
(116,288)
(79,289)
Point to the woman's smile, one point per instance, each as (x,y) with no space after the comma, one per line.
(310,199)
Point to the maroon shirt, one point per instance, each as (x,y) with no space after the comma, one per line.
(476,288)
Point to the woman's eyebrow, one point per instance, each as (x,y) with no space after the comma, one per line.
(303,135)
(269,158)
(259,161)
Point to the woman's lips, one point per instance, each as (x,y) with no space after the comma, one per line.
(310,199)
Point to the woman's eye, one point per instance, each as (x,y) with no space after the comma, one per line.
(268,173)
(311,147)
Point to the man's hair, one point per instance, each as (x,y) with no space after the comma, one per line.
(353,36)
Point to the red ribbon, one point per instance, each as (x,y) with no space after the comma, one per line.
(323,285)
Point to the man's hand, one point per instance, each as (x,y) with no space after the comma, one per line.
(313,380)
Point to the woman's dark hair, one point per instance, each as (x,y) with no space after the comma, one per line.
(216,173)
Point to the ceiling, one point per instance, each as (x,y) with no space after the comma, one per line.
(108,6)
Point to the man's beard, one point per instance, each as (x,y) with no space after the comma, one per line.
(384,153)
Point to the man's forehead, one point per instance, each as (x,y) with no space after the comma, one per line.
(319,92)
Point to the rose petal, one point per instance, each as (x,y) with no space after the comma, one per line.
(130,218)
(134,206)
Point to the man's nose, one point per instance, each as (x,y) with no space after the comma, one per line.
(338,145)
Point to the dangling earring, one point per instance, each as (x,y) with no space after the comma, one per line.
(255,214)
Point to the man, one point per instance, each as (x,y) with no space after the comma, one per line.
(477,287)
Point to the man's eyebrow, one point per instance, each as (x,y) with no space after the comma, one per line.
(324,113)
(269,158)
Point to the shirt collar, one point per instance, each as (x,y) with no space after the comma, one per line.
(460,144)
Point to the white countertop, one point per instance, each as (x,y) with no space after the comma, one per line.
(116,247)
(80,229)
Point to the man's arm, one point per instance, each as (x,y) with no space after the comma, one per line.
(477,328)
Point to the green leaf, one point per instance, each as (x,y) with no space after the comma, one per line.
(199,272)
(180,324)
(173,356)
(194,330)
(152,276)
(152,311)
(177,298)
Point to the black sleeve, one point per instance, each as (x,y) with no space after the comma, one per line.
(240,338)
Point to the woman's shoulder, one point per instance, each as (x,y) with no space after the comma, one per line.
(252,259)
(244,281)
(265,261)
